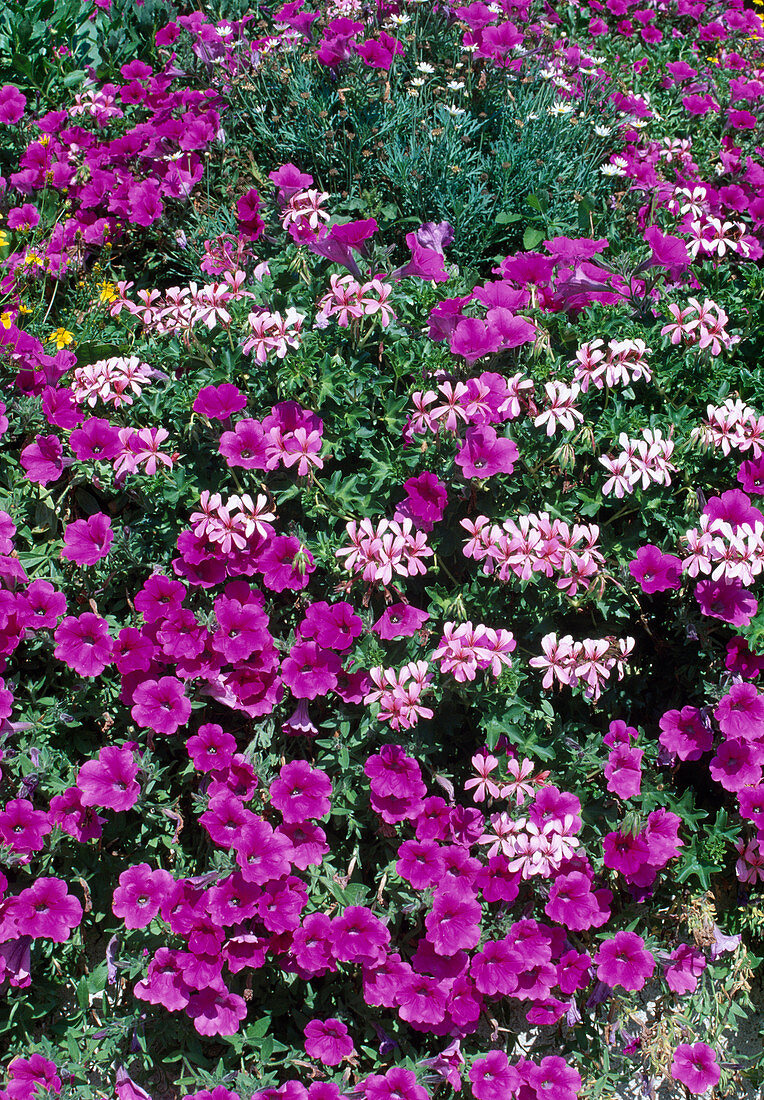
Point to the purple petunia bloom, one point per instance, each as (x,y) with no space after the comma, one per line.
(727,601)
(84,644)
(426,500)
(484,454)
(309,670)
(219,402)
(161,705)
(43,459)
(696,1067)
(624,960)
(399,620)
(110,781)
(473,339)
(47,910)
(12,104)
(654,570)
(328,1041)
(86,541)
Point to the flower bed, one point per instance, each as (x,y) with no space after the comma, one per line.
(380,550)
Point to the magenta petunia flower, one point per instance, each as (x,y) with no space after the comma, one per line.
(126,1088)
(737,764)
(285,564)
(25,1074)
(684,733)
(453,923)
(60,408)
(740,713)
(473,339)
(727,601)
(332,626)
(23,217)
(110,780)
(146,204)
(309,843)
(22,827)
(741,661)
(216,1011)
(656,571)
(211,748)
(572,903)
(396,1084)
(399,620)
(84,644)
(309,670)
(301,792)
(358,936)
(43,459)
(484,453)
(420,863)
(242,629)
(219,402)
(495,968)
(624,852)
(733,507)
(86,541)
(492,1077)
(623,770)
(328,1041)
(245,446)
(684,969)
(696,1067)
(140,894)
(12,104)
(751,476)
(624,960)
(159,598)
(96,440)
(47,910)
(426,500)
(161,705)
(250,221)
(554,1077)
(667,251)
(68,812)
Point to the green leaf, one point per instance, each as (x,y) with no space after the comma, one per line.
(532,237)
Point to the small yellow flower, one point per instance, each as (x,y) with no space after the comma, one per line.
(107,293)
(6,319)
(3,239)
(24,309)
(32,258)
(61,337)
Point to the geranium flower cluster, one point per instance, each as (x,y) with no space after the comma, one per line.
(729,544)
(536,544)
(489,398)
(465,649)
(646,461)
(379,552)
(347,300)
(273,332)
(704,325)
(732,425)
(619,363)
(113,381)
(588,663)
(399,693)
